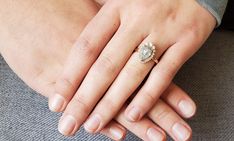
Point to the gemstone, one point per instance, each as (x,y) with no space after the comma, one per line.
(145,53)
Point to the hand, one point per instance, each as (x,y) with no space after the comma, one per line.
(36,39)
(39,61)
(161,114)
(102,60)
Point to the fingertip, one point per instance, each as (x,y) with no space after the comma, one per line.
(92,125)
(133,114)
(180,101)
(155,134)
(57,103)
(118,133)
(187,107)
(182,131)
(67,125)
(114,131)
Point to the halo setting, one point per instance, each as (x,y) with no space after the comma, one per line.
(146,52)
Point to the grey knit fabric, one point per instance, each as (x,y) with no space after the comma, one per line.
(24,114)
(215,7)
(208,77)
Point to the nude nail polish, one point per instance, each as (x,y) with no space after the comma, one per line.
(154,135)
(66,125)
(186,108)
(56,103)
(181,132)
(116,132)
(92,124)
(134,114)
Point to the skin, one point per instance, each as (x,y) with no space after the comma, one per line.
(102,72)
(38,59)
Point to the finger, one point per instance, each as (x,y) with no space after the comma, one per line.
(99,78)
(130,77)
(101,2)
(173,91)
(170,121)
(158,80)
(179,101)
(144,128)
(114,131)
(85,51)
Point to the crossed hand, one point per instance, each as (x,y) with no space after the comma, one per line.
(101,83)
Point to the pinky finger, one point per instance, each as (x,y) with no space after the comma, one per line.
(114,131)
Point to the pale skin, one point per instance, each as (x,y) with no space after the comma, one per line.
(111,72)
(36,52)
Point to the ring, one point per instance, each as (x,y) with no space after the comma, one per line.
(147,52)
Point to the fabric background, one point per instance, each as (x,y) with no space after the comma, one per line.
(208,77)
(228,18)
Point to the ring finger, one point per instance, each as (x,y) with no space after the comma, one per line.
(160,76)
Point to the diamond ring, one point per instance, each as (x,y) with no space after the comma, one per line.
(147,52)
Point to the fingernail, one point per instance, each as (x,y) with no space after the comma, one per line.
(186,108)
(67,125)
(56,103)
(180,132)
(117,133)
(134,114)
(92,124)
(154,135)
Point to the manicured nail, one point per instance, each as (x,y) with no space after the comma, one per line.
(154,135)
(56,103)
(66,125)
(180,132)
(186,108)
(134,114)
(117,133)
(93,124)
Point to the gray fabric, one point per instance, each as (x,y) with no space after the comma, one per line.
(24,115)
(208,77)
(216,7)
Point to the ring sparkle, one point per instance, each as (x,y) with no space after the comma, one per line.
(147,52)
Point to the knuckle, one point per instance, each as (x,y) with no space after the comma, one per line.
(105,65)
(168,70)
(162,114)
(111,104)
(148,97)
(133,72)
(172,15)
(85,46)
(166,75)
(81,102)
(192,30)
(64,84)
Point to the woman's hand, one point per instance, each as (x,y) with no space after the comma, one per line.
(102,60)
(38,58)
(36,37)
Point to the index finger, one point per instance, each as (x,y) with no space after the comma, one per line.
(85,51)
